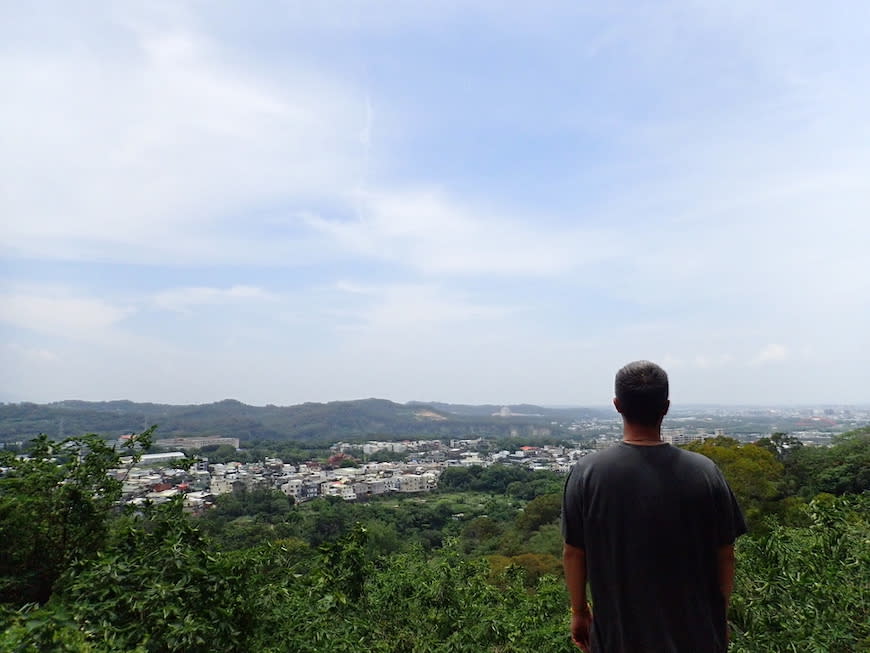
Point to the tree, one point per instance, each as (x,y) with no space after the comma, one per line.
(481,528)
(805,589)
(753,472)
(842,468)
(222,453)
(459,478)
(270,505)
(168,591)
(541,510)
(848,464)
(55,504)
(781,445)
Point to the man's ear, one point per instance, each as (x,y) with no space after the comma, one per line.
(667,406)
(617,405)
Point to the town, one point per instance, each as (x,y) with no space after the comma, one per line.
(348,474)
(158,477)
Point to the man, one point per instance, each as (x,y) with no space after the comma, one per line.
(652,528)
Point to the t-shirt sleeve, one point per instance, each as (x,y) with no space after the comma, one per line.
(572,514)
(731,523)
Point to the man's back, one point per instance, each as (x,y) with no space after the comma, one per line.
(651,520)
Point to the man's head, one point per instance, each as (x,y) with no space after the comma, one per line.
(642,393)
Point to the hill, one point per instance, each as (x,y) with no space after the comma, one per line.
(516,410)
(310,421)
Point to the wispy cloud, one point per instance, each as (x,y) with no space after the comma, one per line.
(576,185)
(57,313)
(149,152)
(429,232)
(30,354)
(183,300)
(772,353)
(393,308)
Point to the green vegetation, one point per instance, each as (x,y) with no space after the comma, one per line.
(309,422)
(777,474)
(807,588)
(842,468)
(473,567)
(504,479)
(54,509)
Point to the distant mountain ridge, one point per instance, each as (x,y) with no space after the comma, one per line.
(514,410)
(309,421)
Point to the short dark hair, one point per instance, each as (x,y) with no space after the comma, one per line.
(642,390)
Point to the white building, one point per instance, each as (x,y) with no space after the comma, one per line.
(150,459)
(412,483)
(293,487)
(221,485)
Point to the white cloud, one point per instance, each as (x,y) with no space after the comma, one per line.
(31,355)
(414,308)
(150,150)
(60,314)
(182,300)
(426,230)
(704,361)
(772,353)
(708,194)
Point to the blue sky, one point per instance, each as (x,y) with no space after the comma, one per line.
(456,201)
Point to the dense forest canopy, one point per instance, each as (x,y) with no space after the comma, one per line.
(472,567)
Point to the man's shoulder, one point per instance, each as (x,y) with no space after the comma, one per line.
(596,457)
(620,455)
(696,459)
(602,458)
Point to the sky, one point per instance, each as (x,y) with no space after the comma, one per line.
(475,202)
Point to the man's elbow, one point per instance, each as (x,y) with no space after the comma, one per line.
(570,551)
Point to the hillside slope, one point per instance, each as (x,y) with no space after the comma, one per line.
(309,421)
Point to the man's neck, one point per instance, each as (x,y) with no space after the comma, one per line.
(643,435)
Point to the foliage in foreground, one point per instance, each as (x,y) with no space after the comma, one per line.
(152,581)
(157,587)
(55,506)
(807,589)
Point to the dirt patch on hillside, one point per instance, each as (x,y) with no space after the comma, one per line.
(428,414)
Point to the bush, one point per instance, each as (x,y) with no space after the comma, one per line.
(805,589)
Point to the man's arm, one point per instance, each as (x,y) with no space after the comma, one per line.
(574,564)
(725,563)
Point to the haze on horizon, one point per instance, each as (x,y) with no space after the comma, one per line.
(454,201)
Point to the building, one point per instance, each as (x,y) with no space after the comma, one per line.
(196,443)
(412,483)
(679,436)
(160,458)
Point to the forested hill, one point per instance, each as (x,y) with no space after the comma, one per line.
(310,421)
(515,410)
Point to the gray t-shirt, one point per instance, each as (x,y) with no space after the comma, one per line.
(651,520)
